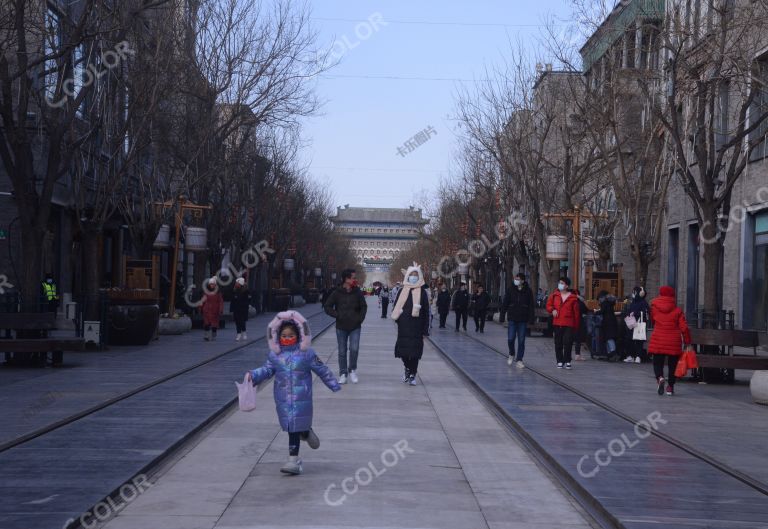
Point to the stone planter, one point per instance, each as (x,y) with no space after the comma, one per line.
(132,324)
(758,386)
(171,326)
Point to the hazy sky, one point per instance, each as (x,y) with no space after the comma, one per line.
(424,49)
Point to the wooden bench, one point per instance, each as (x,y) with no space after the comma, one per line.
(27,334)
(725,340)
(542,322)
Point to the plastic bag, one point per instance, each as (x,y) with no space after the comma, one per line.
(246,394)
(682,368)
(630,321)
(690,358)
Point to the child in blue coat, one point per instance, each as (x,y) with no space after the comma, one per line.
(291,361)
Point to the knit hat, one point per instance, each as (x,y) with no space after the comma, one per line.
(667,291)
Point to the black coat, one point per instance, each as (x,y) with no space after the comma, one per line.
(518,304)
(348,307)
(609,329)
(460,300)
(481,302)
(443,302)
(241,299)
(410,330)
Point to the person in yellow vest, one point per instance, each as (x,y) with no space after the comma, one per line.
(50,293)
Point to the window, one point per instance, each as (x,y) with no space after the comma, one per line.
(722,134)
(52,45)
(692,275)
(79,59)
(673,254)
(759,110)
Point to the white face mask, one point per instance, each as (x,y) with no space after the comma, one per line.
(413,279)
(561,286)
(517,282)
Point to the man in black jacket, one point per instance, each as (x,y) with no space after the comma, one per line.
(518,304)
(460,305)
(443,304)
(347,304)
(480,301)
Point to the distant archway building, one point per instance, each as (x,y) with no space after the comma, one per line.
(378,235)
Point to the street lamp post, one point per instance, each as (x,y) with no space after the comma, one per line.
(183,205)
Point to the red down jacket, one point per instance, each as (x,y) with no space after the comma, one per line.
(670,329)
(568,314)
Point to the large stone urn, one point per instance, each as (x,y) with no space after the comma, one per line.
(175,326)
(758,386)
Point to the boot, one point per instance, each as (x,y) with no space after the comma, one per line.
(213,334)
(292,466)
(312,439)
(207,336)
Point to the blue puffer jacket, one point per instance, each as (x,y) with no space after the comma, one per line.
(292,369)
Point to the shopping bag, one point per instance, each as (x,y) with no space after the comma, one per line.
(682,368)
(691,361)
(638,333)
(246,394)
(630,321)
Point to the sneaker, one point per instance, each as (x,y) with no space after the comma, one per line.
(510,360)
(353,377)
(670,390)
(343,379)
(568,365)
(629,360)
(412,380)
(237,338)
(520,364)
(637,360)
(312,440)
(660,382)
(244,336)
(406,375)
(559,365)
(207,336)
(292,466)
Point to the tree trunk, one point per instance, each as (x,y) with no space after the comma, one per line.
(712,278)
(91,272)
(30,268)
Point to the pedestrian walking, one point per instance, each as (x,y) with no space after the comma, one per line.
(480,301)
(564,307)
(241,302)
(443,304)
(411,312)
(50,293)
(518,305)
(292,361)
(670,331)
(384,301)
(213,308)
(395,290)
(460,304)
(582,336)
(347,304)
(609,326)
(639,309)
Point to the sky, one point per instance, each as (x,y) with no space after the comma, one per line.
(401,66)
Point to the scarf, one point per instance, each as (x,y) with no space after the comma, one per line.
(415,292)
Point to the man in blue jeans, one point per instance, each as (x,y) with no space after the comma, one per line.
(518,304)
(347,304)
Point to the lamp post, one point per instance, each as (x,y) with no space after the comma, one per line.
(183,205)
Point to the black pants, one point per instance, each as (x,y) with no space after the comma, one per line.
(658,367)
(635,348)
(461,317)
(411,364)
(240,324)
(443,318)
(563,344)
(384,305)
(294,440)
(480,320)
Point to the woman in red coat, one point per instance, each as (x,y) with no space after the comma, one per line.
(213,308)
(563,304)
(670,331)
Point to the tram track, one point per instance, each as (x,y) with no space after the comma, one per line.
(135,391)
(599,513)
